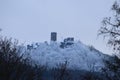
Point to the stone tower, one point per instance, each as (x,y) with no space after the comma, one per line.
(53,36)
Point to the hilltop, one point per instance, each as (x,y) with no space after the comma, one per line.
(78,55)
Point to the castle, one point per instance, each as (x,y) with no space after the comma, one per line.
(66,42)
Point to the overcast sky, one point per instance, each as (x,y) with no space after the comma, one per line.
(34,20)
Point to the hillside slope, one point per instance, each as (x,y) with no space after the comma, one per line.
(79,56)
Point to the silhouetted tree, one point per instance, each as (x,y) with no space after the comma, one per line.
(112,68)
(12,64)
(111,27)
(62,73)
(111,30)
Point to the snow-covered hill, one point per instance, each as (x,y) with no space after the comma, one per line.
(79,56)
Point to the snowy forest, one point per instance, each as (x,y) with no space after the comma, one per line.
(66,60)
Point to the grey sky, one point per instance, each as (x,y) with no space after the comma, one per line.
(33,20)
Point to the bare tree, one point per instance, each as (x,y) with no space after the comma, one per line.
(111,27)
(62,73)
(111,30)
(13,66)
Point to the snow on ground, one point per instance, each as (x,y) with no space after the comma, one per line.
(78,56)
